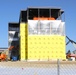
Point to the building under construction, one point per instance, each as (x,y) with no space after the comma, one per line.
(39,35)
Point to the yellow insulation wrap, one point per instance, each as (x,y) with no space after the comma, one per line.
(23,40)
(45,47)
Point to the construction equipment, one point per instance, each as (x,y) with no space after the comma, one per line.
(68,54)
(14,52)
(73,42)
(3,56)
(11,47)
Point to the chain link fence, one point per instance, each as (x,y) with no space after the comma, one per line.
(38,68)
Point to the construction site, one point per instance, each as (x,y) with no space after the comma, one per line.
(37,36)
(37,44)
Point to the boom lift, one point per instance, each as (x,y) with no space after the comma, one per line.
(3,55)
(74,44)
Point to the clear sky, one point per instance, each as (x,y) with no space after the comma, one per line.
(10,11)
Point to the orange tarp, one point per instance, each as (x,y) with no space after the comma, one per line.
(43,18)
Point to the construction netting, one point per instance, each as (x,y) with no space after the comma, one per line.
(46,27)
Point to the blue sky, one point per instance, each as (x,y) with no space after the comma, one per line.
(10,11)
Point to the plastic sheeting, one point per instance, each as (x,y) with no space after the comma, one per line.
(46,27)
(13,36)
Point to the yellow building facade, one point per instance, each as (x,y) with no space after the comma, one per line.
(23,41)
(42,39)
(45,47)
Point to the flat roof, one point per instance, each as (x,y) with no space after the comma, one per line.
(48,7)
(2,49)
(13,22)
(39,12)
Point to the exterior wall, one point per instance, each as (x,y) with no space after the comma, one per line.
(23,41)
(43,39)
(41,47)
(46,39)
(13,39)
(46,47)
